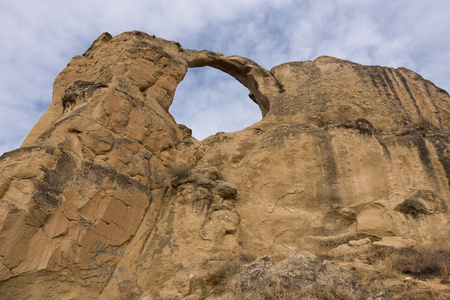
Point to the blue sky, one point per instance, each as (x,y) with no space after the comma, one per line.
(38,38)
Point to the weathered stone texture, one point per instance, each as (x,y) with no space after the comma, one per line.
(108,197)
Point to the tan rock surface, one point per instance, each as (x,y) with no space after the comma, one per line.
(108,197)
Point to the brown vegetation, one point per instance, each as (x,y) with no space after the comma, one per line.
(180,172)
(330,292)
(421,263)
(229,265)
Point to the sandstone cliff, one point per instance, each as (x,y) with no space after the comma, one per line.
(110,198)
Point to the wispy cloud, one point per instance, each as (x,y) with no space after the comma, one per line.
(40,37)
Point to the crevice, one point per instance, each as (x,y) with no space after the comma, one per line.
(281,197)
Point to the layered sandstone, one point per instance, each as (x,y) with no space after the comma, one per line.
(108,197)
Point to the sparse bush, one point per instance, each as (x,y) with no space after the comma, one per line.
(180,172)
(129,290)
(422,123)
(421,263)
(229,265)
(330,292)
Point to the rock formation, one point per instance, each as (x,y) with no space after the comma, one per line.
(110,198)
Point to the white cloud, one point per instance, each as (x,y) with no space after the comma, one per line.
(209,101)
(39,38)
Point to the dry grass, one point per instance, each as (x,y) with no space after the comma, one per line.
(180,172)
(422,123)
(229,265)
(222,279)
(422,263)
(330,292)
(129,290)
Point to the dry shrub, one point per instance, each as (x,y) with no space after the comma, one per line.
(421,263)
(229,265)
(422,123)
(330,292)
(180,172)
(129,290)
(428,295)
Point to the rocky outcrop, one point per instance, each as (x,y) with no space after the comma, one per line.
(108,197)
(301,271)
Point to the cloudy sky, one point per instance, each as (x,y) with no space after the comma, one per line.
(38,38)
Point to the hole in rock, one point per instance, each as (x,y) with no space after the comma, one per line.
(209,101)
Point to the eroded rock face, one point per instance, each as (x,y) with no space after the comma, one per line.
(108,197)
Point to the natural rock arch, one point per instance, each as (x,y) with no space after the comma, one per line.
(93,204)
(137,49)
(258,80)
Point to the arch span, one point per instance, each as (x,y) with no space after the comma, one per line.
(259,81)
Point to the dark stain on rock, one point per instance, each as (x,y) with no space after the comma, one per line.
(361,125)
(163,239)
(47,197)
(79,90)
(364,127)
(64,171)
(412,206)
(440,143)
(408,90)
(327,186)
(46,201)
(382,79)
(413,138)
(17,152)
(425,158)
(378,81)
(97,174)
(281,133)
(424,202)
(438,113)
(387,78)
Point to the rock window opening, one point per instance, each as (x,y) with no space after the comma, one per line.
(210,101)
